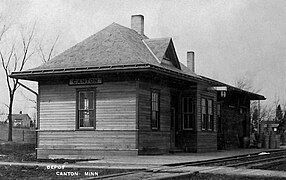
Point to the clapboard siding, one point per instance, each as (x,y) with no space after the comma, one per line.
(115,118)
(82,142)
(153,141)
(203,93)
(235,124)
(206,140)
(57,107)
(87,139)
(115,106)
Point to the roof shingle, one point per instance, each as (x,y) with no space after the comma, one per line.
(114,45)
(117,45)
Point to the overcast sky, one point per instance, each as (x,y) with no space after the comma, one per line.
(231,39)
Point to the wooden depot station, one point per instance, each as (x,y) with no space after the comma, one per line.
(120,93)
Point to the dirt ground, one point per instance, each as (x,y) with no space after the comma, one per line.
(23,172)
(277,167)
(34,173)
(206,176)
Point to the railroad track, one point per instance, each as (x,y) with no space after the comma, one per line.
(234,161)
(258,161)
(228,161)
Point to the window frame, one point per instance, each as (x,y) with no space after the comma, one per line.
(207,114)
(157,112)
(219,119)
(78,91)
(189,114)
(204,113)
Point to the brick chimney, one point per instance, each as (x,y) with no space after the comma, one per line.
(191,60)
(137,23)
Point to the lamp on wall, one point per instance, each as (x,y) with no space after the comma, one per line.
(223,94)
(221,89)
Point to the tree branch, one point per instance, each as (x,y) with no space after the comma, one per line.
(52,48)
(42,54)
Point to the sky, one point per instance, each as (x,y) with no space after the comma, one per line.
(231,39)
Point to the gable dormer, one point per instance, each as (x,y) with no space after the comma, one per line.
(170,56)
(164,50)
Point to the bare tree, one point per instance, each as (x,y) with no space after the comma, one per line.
(15,60)
(45,55)
(265,113)
(29,99)
(283,106)
(245,84)
(276,100)
(42,53)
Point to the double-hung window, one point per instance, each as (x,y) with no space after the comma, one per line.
(85,109)
(188,113)
(155,109)
(219,118)
(207,114)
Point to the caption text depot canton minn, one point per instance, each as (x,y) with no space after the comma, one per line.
(61,171)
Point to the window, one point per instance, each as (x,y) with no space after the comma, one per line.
(155,113)
(207,114)
(204,114)
(188,113)
(86,109)
(219,118)
(210,115)
(17,122)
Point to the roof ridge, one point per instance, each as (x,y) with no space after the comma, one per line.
(159,38)
(143,36)
(141,39)
(126,40)
(151,51)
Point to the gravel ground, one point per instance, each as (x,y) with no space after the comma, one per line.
(22,172)
(205,176)
(277,167)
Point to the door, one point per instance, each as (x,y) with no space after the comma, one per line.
(174,127)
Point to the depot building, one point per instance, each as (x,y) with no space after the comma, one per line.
(119,92)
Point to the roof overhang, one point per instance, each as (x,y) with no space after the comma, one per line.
(36,75)
(219,86)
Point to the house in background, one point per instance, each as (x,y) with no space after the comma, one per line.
(21,120)
(269,126)
(119,92)
(3,118)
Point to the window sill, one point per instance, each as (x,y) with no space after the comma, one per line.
(188,129)
(86,129)
(206,130)
(155,129)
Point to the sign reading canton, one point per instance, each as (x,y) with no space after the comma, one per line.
(86,81)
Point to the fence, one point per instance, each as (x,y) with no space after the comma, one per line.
(27,135)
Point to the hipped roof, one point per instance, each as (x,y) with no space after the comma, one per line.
(114,45)
(116,48)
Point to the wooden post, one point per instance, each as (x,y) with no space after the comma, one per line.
(38,111)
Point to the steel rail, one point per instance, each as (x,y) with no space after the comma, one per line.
(274,155)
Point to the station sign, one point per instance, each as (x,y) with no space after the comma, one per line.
(85,81)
